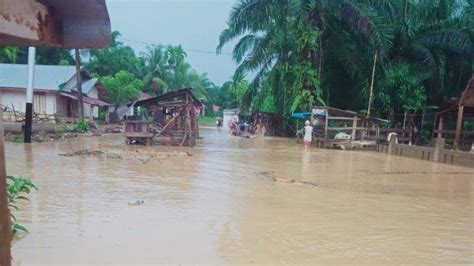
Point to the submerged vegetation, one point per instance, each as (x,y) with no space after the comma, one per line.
(17,189)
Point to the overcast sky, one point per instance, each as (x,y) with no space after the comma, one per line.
(195,24)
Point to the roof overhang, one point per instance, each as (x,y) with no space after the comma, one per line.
(55,23)
(167,98)
(88,100)
(467,97)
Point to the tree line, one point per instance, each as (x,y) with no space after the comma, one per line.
(379,56)
(160,69)
(382,57)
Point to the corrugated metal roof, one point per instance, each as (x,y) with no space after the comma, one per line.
(85,99)
(46,77)
(86,86)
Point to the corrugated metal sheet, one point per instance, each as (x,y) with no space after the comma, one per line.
(46,77)
(85,99)
(86,86)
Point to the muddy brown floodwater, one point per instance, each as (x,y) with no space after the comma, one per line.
(220,204)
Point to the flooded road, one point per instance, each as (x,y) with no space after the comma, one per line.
(219,205)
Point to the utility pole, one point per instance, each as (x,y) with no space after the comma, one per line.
(371,94)
(79,85)
(29,94)
(5,226)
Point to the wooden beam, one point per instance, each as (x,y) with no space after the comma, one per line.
(354,126)
(326,126)
(55,23)
(457,137)
(5,227)
(440,126)
(344,118)
(345,128)
(24,22)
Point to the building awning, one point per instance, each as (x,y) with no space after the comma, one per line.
(55,23)
(301,115)
(85,99)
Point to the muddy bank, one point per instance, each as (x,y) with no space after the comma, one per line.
(143,155)
(58,133)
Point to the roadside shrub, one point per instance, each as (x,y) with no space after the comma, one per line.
(19,139)
(62,128)
(17,188)
(82,126)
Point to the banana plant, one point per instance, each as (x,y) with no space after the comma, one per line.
(17,189)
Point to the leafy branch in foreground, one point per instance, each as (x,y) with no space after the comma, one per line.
(17,188)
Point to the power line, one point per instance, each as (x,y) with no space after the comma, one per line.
(190,50)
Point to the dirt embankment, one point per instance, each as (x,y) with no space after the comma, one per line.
(58,133)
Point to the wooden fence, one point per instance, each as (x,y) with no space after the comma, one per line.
(437,153)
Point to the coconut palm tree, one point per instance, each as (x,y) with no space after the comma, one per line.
(9,54)
(279,40)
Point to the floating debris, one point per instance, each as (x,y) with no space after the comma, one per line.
(275,178)
(93,153)
(136,203)
(391,190)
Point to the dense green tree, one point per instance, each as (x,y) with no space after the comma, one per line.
(280,43)
(8,54)
(123,87)
(350,53)
(44,56)
(114,58)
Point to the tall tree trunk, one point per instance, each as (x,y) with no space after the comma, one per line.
(320,67)
(5,226)
(406,8)
(79,85)
(372,83)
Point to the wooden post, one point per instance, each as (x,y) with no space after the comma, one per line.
(391,144)
(371,95)
(438,147)
(91,113)
(457,137)
(378,132)
(326,126)
(354,126)
(440,126)
(5,227)
(79,85)
(196,124)
(404,124)
(187,122)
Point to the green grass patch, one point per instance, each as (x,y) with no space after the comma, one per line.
(207,121)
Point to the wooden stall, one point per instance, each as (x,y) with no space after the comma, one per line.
(174,114)
(137,130)
(334,126)
(459,110)
(272,124)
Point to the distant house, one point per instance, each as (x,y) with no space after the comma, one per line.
(55,92)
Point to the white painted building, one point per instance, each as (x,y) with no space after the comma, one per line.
(55,94)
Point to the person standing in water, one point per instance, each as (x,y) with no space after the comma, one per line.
(308,134)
